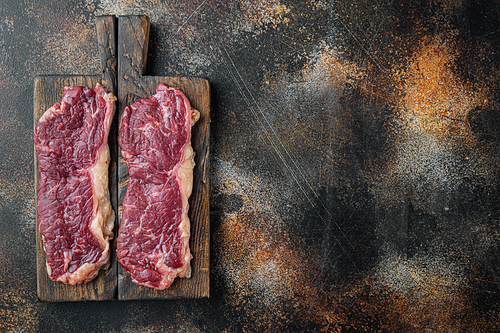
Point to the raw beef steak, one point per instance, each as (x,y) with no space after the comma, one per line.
(75,217)
(155,139)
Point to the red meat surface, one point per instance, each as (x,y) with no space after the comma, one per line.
(155,139)
(75,217)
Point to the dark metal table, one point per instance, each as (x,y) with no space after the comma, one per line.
(354,173)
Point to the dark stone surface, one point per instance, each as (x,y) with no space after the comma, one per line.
(354,162)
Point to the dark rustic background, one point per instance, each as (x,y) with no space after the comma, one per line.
(355,178)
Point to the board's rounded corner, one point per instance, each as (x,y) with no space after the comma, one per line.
(41,299)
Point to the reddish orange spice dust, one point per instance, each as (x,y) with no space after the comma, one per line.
(436,100)
(332,69)
(267,273)
(258,263)
(257,13)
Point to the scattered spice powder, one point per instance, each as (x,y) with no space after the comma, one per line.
(436,100)
(256,15)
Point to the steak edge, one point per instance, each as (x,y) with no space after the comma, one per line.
(155,139)
(75,217)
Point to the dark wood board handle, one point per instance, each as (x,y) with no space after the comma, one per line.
(133,35)
(107,34)
(48,91)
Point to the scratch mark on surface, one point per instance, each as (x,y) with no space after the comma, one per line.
(362,47)
(375,35)
(249,99)
(298,176)
(197,8)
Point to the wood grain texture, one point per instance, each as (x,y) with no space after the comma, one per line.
(48,91)
(132,85)
(107,34)
(107,41)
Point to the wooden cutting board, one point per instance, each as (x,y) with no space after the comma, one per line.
(122,66)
